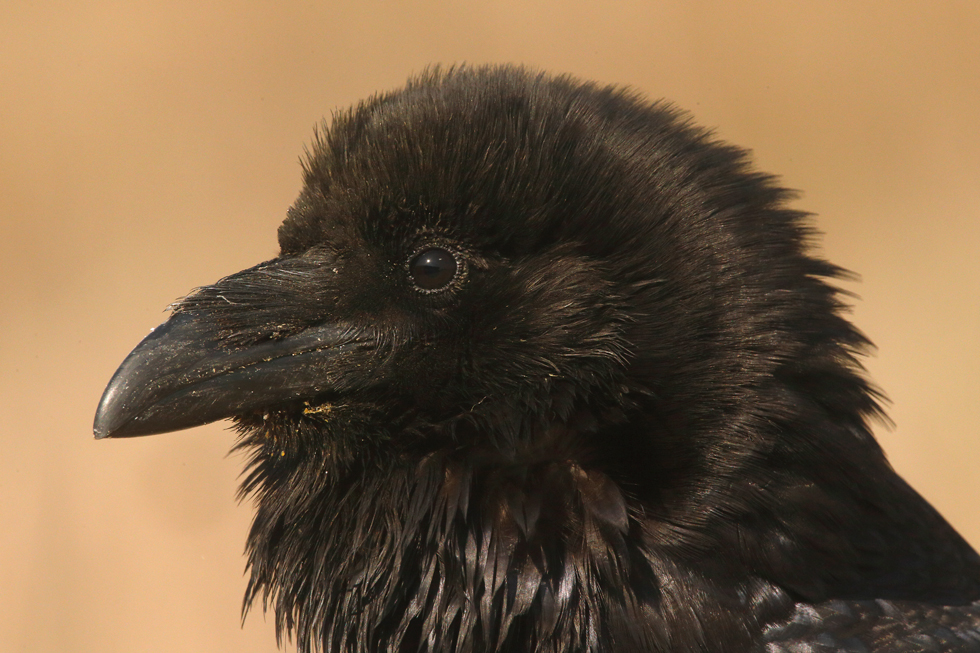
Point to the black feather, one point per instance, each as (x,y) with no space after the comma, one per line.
(632,418)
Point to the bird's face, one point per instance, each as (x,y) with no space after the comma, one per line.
(475,262)
(438,278)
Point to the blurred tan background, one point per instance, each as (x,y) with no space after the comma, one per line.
(147,148)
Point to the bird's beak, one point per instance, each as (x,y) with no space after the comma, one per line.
(184,374)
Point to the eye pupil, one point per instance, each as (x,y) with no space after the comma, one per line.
(433,269)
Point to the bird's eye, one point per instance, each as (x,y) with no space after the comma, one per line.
(433,269)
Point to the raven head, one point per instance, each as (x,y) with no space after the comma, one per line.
(537,362)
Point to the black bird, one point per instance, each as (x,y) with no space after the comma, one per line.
(544,367)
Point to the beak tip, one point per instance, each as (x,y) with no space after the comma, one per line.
(112,416)
(102,428)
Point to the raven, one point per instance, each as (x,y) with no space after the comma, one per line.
(542,366)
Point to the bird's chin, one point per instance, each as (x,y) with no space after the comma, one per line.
(323,409)
(350,431)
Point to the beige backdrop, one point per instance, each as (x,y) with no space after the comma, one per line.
(147,148)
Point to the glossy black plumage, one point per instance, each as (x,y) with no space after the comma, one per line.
(543,367)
